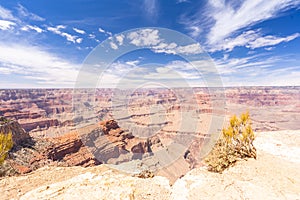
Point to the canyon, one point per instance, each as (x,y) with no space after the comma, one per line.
(50,112)
(92,126)
(251,179)
(161,132)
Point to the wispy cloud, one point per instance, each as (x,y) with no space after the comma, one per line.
(101,30)
(79,31)
(58,31)
(258,70)
(270,40)
(23,12)
(251,39)
(229,17)
(150,7)
(131,75)
(194,31)
(6,25)
(35,28)
(225,19)
(36,64)
(151,38)
(6,14)
(173,48)
(7,20)
(182,1)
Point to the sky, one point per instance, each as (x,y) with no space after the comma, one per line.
(145,43)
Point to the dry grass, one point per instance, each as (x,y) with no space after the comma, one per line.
(235,143)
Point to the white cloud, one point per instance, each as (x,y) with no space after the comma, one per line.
(29,27)
(61,27)
(92,36)
(230,18)
(269,48)
(144,37)
(190,49)
(133,63)
(253,70)
(79,31)
(130,75)
(56,29)
(104,31)
(6,14)
(38,65)
(120,39)
(25,13)
(234,66)
(173,48)
(6,25)
(251,39)
(174,74)
(69,37)
(150,38)
(271,40)
(195,31)
(113,45)
(165,48)
(258,70)
(79,40)
(101,30)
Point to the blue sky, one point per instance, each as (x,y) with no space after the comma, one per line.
(46,43)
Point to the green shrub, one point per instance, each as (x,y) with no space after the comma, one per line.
(6,143)
(235,143)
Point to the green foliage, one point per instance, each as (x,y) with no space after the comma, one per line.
(235,143)
(6,143)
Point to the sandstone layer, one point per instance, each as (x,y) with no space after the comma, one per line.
(274,175)
(52,112)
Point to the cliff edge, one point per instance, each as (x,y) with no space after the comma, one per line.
(274,175)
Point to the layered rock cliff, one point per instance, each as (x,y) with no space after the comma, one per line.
(13,127)
(101,143)
(251,179)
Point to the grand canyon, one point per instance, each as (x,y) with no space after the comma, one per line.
(144,134)
(149,99)
(163,132)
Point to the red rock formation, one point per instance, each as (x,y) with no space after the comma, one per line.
(39,123)
(70,149)
(18,134)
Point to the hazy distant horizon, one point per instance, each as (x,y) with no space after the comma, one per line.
(57,88)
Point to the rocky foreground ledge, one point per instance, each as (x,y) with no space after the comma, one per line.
(274,175)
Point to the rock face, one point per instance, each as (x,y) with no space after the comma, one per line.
(248,179)
(107,186)
(36,109)
(89,146)
(18,133)
(69,150)
(40,124)
(110,144)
